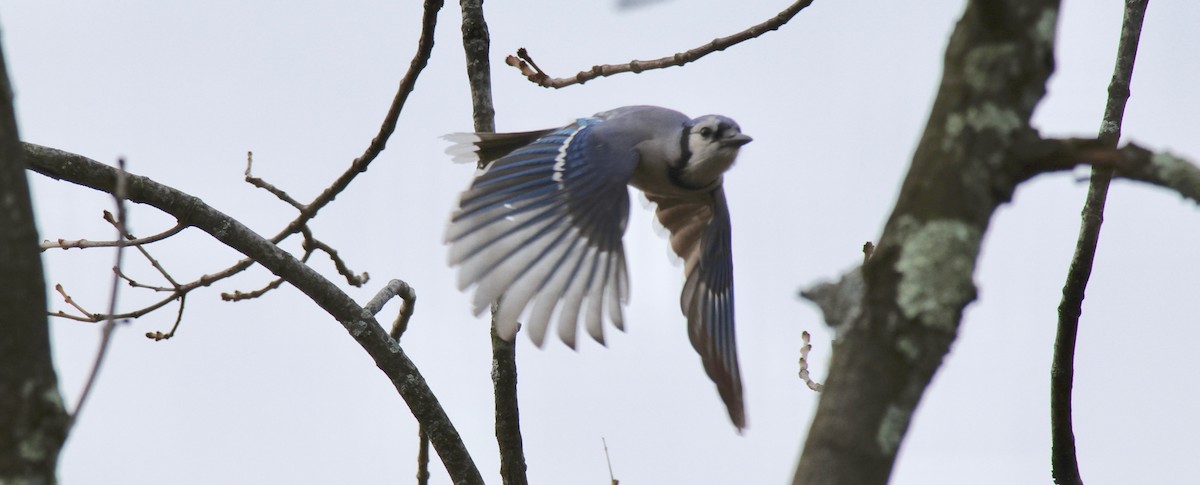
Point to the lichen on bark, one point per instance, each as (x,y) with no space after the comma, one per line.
(935,265)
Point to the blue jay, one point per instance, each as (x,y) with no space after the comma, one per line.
(541,225)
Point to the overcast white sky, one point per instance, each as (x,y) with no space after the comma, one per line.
(274,390)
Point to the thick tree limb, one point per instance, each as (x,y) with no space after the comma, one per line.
(524,62)
(33,422)
(1064,464)
(977,147)
(361,325)
(1131,162)
(919,278)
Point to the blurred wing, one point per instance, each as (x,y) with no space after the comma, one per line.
(700,234)
(541,227)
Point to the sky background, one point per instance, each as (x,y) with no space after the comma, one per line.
(274,390)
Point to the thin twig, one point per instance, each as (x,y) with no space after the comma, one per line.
(137,284)
(154,262)
(119,196)
(422,456)
(408,304)
(611,478)
(71,301)
(310,210)
(262,184)
(1065,464)
(97,317)
(68,316)
(379,142)
(524,62)
(239,295)
(146,254)
(158,336)
(84,243)
(311,243)
(805,348)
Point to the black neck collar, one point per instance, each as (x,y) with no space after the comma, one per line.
(675,172)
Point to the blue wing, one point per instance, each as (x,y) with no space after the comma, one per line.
(700,234)
(541,227)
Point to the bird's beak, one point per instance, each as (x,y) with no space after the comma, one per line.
(736,141)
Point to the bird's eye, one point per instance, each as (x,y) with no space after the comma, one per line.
(706,132)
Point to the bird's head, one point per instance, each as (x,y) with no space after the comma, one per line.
(711,144)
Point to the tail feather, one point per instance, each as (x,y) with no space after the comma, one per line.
(485,147)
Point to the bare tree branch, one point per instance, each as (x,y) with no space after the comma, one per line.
(192,212)
(33,422)
(524,62)
(977,147)
(1131,162)
(311,243)
(363,327)
(239,295)
(805,348)
(360,164)
(1064,464)
(157,336)
(71,301)
(299,225)
(919,278)
(422,456)
(476,44)
(263,184)
(408,303)
(84,243)
(110,324)
(612,479)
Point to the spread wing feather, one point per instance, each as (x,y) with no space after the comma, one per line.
(700,234)
(540,228)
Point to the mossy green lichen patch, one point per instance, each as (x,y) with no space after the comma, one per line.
(936,265)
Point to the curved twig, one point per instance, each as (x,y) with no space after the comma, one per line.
(311,244)
(805,348)
(157,336)
(524,62)
(1064,463)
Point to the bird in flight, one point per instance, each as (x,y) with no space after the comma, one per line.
(540,227)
